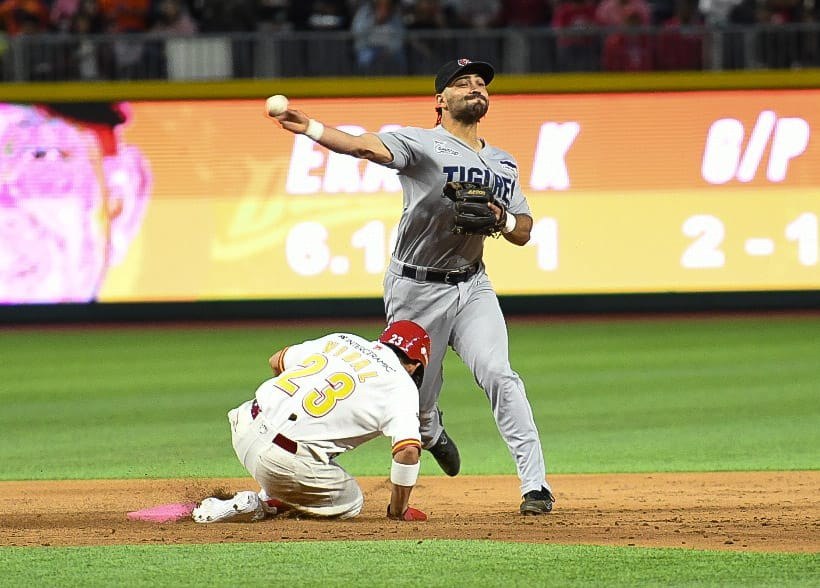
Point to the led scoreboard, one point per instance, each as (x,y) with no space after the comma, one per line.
(703,191)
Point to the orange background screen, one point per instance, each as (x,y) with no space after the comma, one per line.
(655,192)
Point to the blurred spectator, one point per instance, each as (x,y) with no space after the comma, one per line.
(476,15)
(83,56)
(425,51)
(810,39)
(328,15)
(274,15)
(312,15)
(235,16)
(716,12)
(172,20)
(222,16)
(619,13)
(781,49)
(629,50)
(91,10)
(426,15)
(778,12)
(333,54)
(742,13)
(126,16)
(526,13)
(577,37)
(172,17)
(62,14)
(473,14)
(680,42)
(85,60)
(662,10)
(20,18)
(24,17)
(769,47)
(729,49)
(378,37)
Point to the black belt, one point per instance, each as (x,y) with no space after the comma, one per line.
(451,277)
(288,445)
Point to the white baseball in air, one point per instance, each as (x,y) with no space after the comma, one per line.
(276,105)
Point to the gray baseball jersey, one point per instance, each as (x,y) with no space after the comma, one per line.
(426,160)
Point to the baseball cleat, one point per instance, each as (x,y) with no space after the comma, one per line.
(537,502)
(245,506)
(446,454)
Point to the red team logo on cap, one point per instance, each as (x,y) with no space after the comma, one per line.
(463,61)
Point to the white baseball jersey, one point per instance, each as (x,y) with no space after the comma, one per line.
(340,391)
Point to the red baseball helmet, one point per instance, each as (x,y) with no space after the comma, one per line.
(410,338)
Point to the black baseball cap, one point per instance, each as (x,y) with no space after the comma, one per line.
(459,67)
(103,113)
(100,117)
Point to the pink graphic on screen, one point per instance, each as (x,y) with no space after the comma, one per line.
(72,198)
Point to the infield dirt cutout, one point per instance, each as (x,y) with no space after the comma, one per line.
(758,511)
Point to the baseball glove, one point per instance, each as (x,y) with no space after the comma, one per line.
(472,216)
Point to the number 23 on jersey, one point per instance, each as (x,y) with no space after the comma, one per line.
(318,401)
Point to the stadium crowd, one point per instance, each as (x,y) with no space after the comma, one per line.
(585,35)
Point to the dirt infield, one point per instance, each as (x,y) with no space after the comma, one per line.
(767,511)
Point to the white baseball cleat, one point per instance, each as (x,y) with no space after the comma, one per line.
(245,506)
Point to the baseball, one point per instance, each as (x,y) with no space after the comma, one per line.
(276,105)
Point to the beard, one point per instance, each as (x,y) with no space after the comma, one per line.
(471,110)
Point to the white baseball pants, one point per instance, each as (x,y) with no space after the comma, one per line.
(297,479)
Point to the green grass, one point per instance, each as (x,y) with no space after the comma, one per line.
(675,395)
(703,394)
(400,563)
(686,394)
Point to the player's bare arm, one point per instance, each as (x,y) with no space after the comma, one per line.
(520,235)
(367,146)
(276,360)
(400,496)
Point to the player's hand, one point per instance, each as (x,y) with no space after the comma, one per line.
(409,514)
(294,121)
(499,212)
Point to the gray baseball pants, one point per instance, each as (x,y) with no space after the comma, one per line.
(468,318)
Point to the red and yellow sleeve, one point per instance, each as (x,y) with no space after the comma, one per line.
(398,446)
(281,363)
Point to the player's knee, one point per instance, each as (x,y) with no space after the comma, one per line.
(497,375)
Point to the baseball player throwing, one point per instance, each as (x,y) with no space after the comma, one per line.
(328,396)
(436,277)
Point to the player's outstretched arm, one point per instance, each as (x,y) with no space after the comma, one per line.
(367,146)
(403,476)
